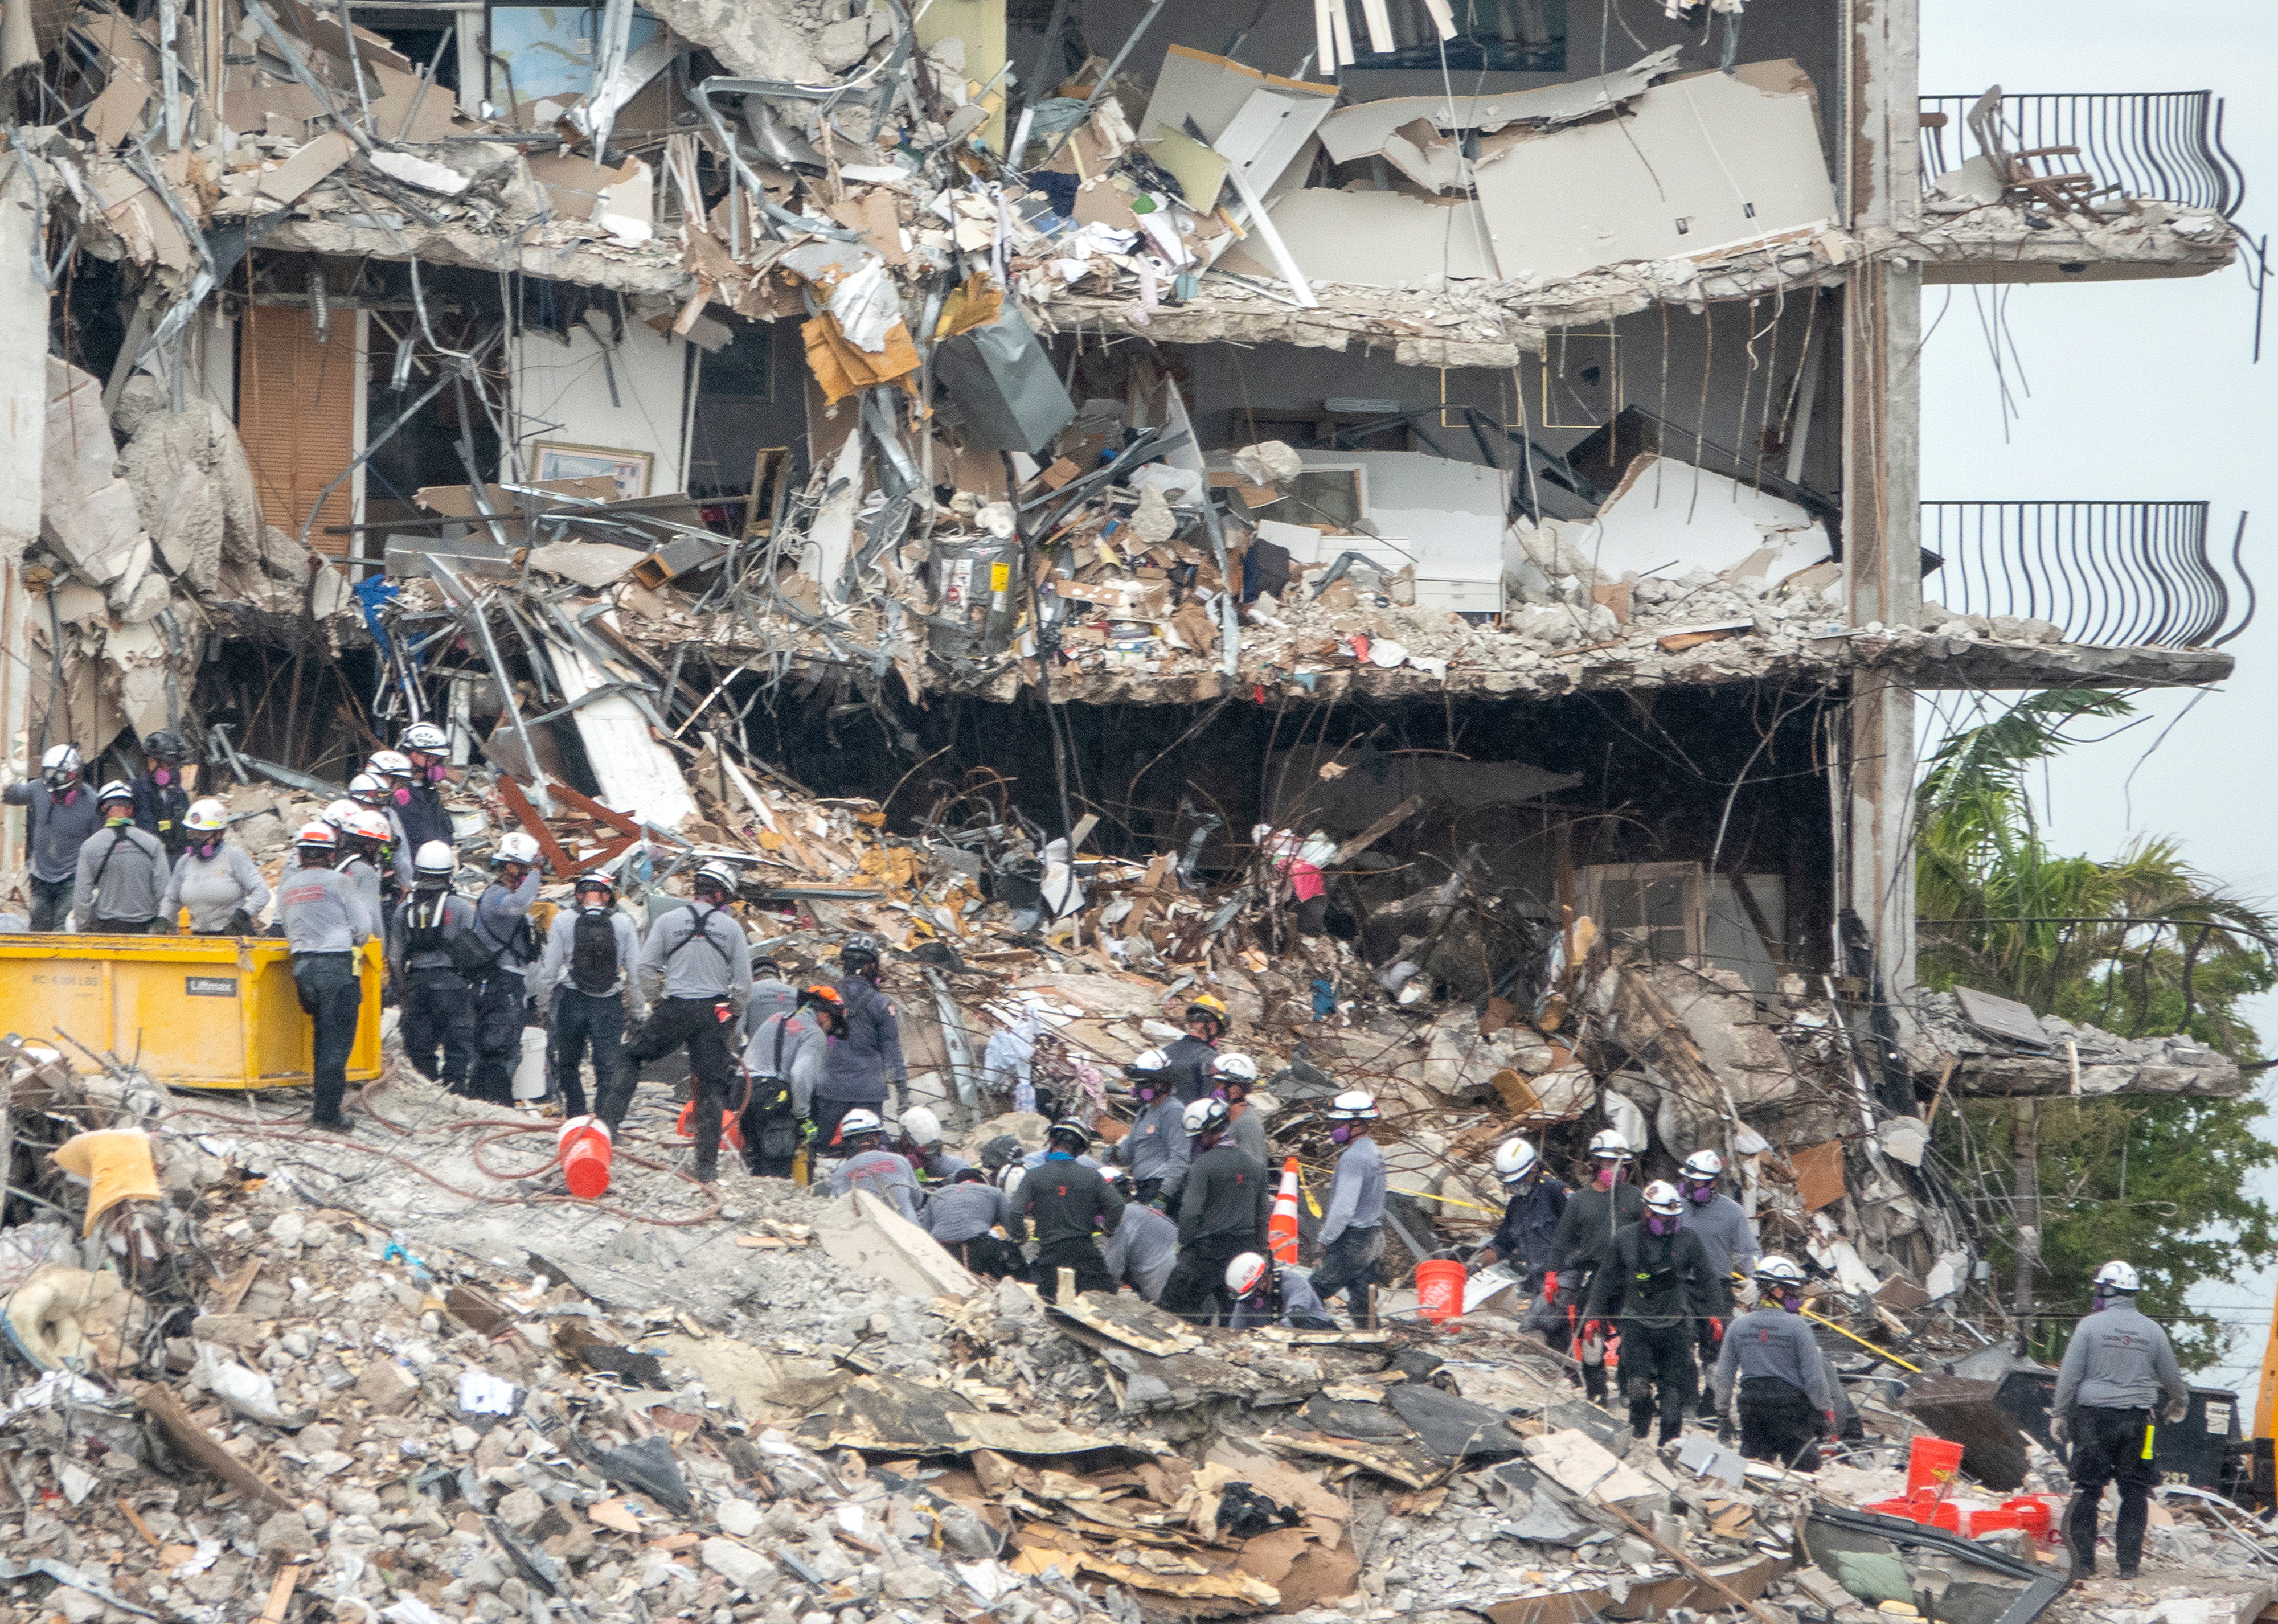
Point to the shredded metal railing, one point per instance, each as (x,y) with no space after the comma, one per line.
(2117,574)
(2158,144)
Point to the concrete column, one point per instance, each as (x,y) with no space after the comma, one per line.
(23,439)
(1881,489)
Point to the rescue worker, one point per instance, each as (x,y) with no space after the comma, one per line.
(430,945)
(869,1055)
(1155,1150)
(365,858)
(1232,1077)
(1351,1236)
(375,787)
(871,1166)
(920,1144)
(122,870)
(1593,1216)
(501,999)
(425,750)
(1190,1056)
(393,854)
(1265,1293)
(161,802)
(782,1065)
(696,967)
(1785,1401)
(1223,1207)
(214,880)
(64,813)
(326,928)
(2117,1368)
(1145,1245)
(771,995)
(1066,1201)
(1655,1288)
(1530,1218)
(591,950)
(962,1214)
(1723,1225)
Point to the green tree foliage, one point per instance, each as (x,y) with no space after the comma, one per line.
(2143,945)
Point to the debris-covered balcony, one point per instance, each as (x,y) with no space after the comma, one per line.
(2076,187)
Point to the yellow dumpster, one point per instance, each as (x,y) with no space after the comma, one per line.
(190,1012)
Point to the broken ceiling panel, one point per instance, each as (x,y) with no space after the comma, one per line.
(1375,238)
(1356,130)
(1670,518)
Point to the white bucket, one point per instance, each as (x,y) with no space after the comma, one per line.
(530,1070)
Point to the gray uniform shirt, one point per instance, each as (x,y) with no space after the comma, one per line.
(498,914)
(1145,1245)
(2117,1360)
(719,966)
(801,1056)
(1772,1342)
(322,912)
(1248,1131)
(1355,1192)
(134,869)
(458,918)
(883,1174)
(60,825)
(561,943)
(214,888)
(770,995)
(1726,1235)
(1157,1146)
(965,1211)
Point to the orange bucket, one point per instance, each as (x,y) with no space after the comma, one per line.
(1440,1289)
(1931,1464)
(585,1151)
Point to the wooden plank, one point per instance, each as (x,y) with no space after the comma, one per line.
(510,792)
(1377,831)
(280,1595)
(203,1449)
(623,823)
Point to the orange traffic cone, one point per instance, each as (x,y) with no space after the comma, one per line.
(1281,1228)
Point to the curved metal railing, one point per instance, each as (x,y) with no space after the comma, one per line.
(2116,574)
(2158,144)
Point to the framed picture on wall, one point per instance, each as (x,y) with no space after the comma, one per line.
(553,460)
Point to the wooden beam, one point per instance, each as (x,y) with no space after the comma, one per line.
(623,823)
(1377,831)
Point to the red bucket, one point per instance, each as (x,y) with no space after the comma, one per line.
(585,1152)
(1931,1464)
(1440,1290)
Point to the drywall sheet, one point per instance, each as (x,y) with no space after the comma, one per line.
(1667,518)
(637,774)
(1355,132)
(1446,516)
(636,403)
(1372,239)
(1214,91)
(1691,167)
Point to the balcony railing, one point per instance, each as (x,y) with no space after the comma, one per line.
(2118,574)
(2165,144)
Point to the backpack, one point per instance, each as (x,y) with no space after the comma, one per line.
(593,953)
(422,922)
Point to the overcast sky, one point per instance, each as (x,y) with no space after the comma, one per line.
(2139,391)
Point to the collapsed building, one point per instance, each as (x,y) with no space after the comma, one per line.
(1020,480)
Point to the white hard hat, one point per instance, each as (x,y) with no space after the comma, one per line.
(117,789)
(1234,1067)
(1607,1145)
(437,857)
(1663,1197)
(1780,1269)
(363,786)
(425,737)
(321,835)
(1009,1177)
(1205,1114)
(1514,1159)
(920,1126)
(370,823)
(339,812)
(514,846)
(858,1121)
(1354,1105)
(722,874)
(2118,1277)
(204,817)
(389,764)
(1243,1271)
(1703,1164)
(60,758)
(1150,1060)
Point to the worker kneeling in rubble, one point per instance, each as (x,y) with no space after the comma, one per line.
(871,1166)
(1785,1401)
(1592,1217)
(1265,1294)
(1156,1149)
(2116,1368)
(325,926)
(920,1145)
(591,950)
(1656,1289)
(1066,1199)
(703,961)
(781,1063)
(1223,1208)
(961,1214)
(431,943)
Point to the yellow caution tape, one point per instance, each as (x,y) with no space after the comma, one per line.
(1883,1352)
